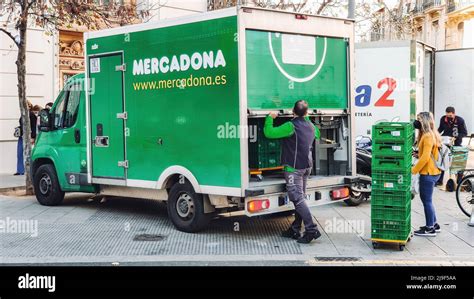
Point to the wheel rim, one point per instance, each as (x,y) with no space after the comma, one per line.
(185,206)
(45,184)
(357,195)
(465,195)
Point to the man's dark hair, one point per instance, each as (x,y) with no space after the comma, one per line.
(300,108)
(450,110)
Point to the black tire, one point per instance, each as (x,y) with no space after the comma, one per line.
(46,184)
(465,186)
(186,209)
(355,199)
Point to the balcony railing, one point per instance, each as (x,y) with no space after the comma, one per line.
(418,7)
(454,5)
(429,4)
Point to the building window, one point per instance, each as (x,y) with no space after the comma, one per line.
(107,2)
(419,33)
(435,25)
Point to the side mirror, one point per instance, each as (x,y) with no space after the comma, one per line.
(45,121)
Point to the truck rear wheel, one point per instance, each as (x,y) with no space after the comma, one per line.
(186,209)
(46,184)
(356,199)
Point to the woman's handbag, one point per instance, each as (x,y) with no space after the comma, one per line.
(415,184)
(415,180)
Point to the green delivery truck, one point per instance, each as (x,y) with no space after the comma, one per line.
(171,111)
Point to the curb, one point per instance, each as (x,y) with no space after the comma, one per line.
(10,189)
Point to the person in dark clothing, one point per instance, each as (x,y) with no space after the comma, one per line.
(20,163)
(297,140)
(453,126)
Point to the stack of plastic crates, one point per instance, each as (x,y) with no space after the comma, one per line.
(391,183)
(264,153)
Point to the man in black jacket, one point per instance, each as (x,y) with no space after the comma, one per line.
(453,126)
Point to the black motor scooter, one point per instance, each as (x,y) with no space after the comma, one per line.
(361,190)
(364,155)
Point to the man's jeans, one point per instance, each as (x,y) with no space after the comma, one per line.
(427,183)
(296,188)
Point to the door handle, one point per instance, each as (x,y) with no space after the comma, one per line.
(77,135)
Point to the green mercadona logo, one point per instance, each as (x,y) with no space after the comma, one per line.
(298,57)
(179,63)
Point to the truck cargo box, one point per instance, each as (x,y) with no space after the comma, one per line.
(178,106)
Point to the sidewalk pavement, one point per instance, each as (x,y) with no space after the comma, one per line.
(8,181)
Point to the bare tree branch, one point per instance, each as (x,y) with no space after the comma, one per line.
(323,6)
(9,35)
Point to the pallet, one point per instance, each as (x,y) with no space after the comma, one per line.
(258,172)
(401,243)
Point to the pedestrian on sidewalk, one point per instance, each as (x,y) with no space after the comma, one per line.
(451,125)
(20,163)
(297,141)
(429,140)
(36,110)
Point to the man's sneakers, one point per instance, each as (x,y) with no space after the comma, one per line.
(437,228)
(425,231)
(308,237)
(290,233)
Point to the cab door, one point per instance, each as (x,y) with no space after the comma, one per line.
(67,136)
(107,116)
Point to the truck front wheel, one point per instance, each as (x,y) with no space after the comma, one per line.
(46,185)
(186,208)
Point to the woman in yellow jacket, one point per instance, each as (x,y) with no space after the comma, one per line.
(429,141)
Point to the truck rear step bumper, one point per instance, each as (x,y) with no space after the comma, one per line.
(277,185)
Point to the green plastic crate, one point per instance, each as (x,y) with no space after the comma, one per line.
(397,132)
(263,152)
(388,212)
(393,149)
(401,235)
(390,229)
(267,160)
(390,197)
(460,156)
(391,180)
(390,163)
(268,145)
